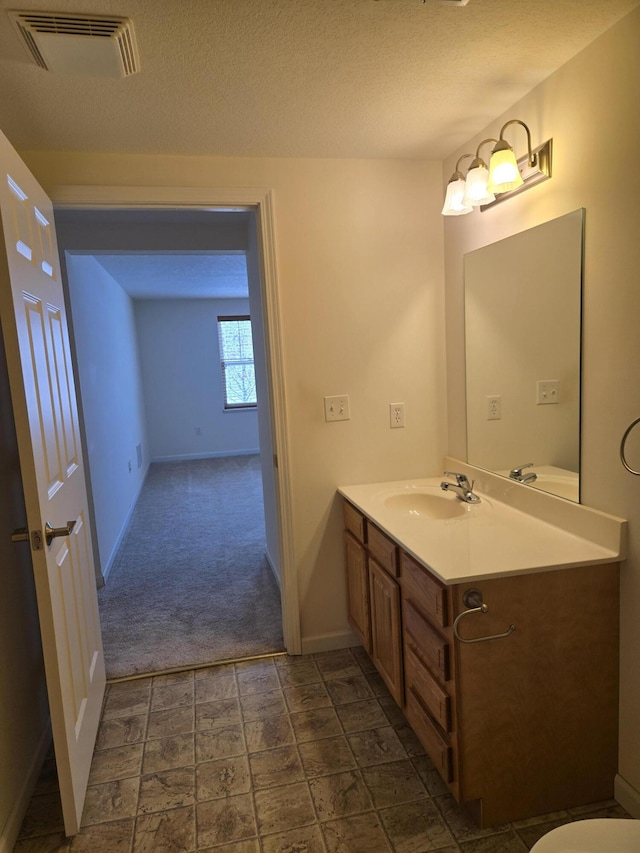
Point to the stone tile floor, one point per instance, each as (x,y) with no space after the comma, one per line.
(281,755)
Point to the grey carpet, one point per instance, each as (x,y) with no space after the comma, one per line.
(190,583)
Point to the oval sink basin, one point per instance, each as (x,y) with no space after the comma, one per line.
(429,504)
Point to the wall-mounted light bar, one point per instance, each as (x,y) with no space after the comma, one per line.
(484,186)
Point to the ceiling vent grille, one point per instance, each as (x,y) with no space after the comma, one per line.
(92,45)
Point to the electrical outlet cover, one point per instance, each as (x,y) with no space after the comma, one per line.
(494,407)
(396,415)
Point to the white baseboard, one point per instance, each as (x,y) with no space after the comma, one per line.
(109,562)
(11,829)
(214,454)
(329,642)
(627,796)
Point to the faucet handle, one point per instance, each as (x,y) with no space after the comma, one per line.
(461,479)
(516,472)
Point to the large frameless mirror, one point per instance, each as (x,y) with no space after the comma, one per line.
(523,346)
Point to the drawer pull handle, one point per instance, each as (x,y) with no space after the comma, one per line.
(474,597)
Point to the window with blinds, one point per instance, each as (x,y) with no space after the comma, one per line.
(236,361)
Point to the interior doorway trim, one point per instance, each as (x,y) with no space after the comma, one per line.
(218,198)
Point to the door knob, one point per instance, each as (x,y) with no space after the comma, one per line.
(21,534)
(51,533)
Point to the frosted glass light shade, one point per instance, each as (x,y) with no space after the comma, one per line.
(504,174)
(453,203)
(476,192)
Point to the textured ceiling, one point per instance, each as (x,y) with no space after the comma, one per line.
(184,275)
(297,78)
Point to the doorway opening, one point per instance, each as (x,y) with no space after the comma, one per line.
(114,244)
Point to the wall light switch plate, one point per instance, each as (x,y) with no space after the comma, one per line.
(337,408)
(548,391)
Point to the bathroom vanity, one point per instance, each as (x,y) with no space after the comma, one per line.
(495,627)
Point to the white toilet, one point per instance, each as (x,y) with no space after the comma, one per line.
(602,835)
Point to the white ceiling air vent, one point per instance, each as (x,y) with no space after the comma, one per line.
(92,45)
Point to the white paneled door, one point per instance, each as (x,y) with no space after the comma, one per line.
(43,393)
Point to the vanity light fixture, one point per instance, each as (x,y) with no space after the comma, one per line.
(454,204)
(476,185)
(505,176)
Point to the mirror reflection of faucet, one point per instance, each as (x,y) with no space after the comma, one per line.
(516,474)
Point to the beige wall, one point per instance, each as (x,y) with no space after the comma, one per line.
(359,260)
(590,108)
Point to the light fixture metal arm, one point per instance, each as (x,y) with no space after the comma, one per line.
(477,160)
(457,175)
(531,156)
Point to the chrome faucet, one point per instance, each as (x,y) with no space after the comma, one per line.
(462,488)
(516,474)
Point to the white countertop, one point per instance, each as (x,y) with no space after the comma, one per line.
(494,538)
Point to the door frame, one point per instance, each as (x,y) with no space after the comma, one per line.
(260,200)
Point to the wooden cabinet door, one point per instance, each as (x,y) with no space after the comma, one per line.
(386,633)
(358,590)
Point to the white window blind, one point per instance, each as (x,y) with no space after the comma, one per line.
(236,360)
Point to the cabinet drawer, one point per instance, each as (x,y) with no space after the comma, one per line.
(427,690)
(425,641)
(439,751)
(355,522)
(383,549)
(429,593)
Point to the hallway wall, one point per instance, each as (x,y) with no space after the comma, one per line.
(265,412)
(111,395)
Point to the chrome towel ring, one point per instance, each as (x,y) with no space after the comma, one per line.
(623,443)
(473,598)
